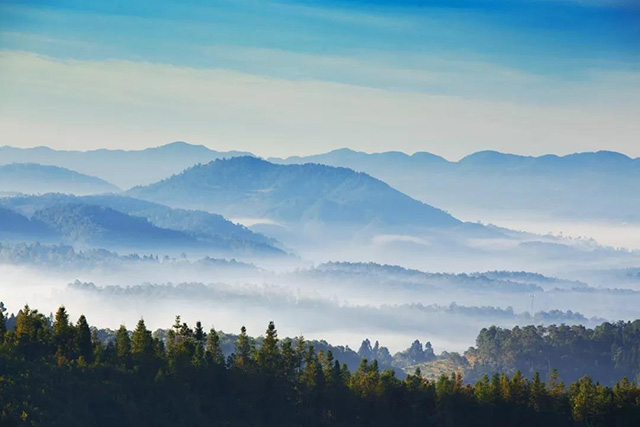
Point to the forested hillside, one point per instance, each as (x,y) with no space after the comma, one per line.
(248,187)
(488,182)
(57,373)
(33,178)
(116,221)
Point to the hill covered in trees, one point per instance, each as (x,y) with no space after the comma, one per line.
(122,167)
(248,187)
(33,178)
(116,221)
(59,373)
(489,182)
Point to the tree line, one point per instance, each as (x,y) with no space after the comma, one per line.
(56,372)
(607,352)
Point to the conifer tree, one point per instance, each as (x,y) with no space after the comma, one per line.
(3,324)
(98,349)
(198,333)
(213,353)
(32,333)
(268,357)
(123,347)
(142,346)
(537,393)
(83,344)
(243,351)
(63,334)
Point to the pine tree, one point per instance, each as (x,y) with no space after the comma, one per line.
(3,323)
(199,351)
(98,348)
(142,347)
(312,375)
(213,353)
(198,333)
(289,361)
(123,347)
(83,344)
(63,335)
(243,352)
(537,393)
(583,396)
(268,357)
(32,333)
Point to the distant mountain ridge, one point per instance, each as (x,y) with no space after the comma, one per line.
(250,187)
(582,186)
(124,168)
(113,220)
(14,225)
(31,178)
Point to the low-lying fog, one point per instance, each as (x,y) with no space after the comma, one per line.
(616,234)
(342,303)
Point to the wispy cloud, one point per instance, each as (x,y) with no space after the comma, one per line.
(88,104)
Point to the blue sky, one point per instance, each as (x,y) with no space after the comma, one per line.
(299,77)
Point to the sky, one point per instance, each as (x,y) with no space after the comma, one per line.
(281,78)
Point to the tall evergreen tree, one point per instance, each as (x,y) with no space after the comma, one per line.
(83,343)
(268,357)
(243,355)
(142,348)
(63,334)
(213,353)
(123,346)
(32,333)
(3,323)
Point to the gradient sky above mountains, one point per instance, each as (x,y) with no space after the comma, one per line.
(301,77)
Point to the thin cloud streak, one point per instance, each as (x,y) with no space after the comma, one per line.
(122,104)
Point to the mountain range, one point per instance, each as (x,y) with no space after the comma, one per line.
(596,186)
(486,185)
(600,186)
(33,178)
(249,187)
(124,168)
(117,221)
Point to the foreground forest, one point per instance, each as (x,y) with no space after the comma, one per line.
(59,373)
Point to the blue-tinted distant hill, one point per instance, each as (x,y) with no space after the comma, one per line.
(124,168)
(113,220)
(248,187)
(31,178)
(100,225)
(16,226)
(583,186)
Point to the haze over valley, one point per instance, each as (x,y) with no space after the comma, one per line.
(324,234)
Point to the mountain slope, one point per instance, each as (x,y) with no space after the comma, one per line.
(124,168)
(14,225)
(101,225)
(92,218)
(584,186)
(33,178)
(249,187)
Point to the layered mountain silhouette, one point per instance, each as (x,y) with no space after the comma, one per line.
(124,168)
(33,178)
(15,226)
(589,186)
(249,187)
(116,221)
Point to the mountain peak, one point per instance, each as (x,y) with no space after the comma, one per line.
(250,187)
(180,146)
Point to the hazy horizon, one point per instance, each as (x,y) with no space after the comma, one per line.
(459,172)
(282,78)
(267,156)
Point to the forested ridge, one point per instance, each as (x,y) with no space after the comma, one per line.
(55,372)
